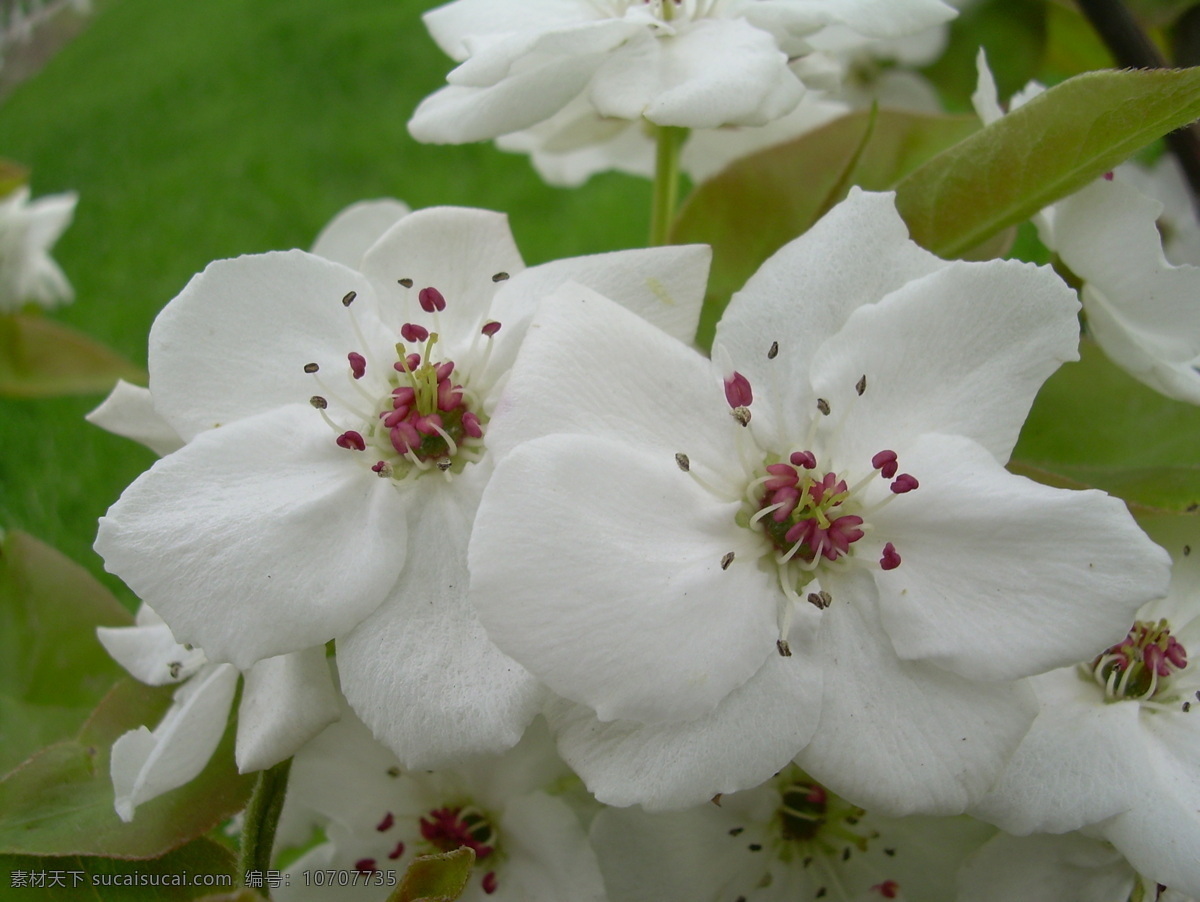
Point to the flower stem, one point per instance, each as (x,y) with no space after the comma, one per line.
(670,140)
(261,818)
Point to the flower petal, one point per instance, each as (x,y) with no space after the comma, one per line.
(146,764)
(420,671)
(353,230)
(548,856)
(1004,577)
(258,538)
(286,701)
(900,737)
(1071,868)
(150,653)
(129,411)
(650,631)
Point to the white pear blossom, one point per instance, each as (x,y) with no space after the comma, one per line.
(1139,301)
(286,701)
(334,418)
(808,544)
(790,839)
(529,845)
(688,63)
(1116,744)
(27,232)
(1072,867)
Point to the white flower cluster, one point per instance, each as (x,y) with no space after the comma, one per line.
(27,231)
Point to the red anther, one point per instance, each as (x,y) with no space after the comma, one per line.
(489,882)
(431,299)
(490,328)
(889,889)
(737,391)
(783,476)
(1176,653)
(1108,176)
(448,396)
(386,823)
(380,466)
(396,852)
(471,425)
(413,332)
(1153,658)
(405,394)
(845,530)
(404,436)
(427,424)
(803,531)
(397,416)
(351,440)
(828,483)
(358,364)
(444,370)
(885,462)
(413,360)
(905,482)
(365,864)
(890,559)
(816,795)
(805,459)
(789,497)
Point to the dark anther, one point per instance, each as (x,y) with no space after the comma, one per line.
(773,351)
(407,283)
(823,406)
(311,367)
(318,402)
(785,650)
(348,298)
(500,277)
(682,460)
(726,560)
(861,385)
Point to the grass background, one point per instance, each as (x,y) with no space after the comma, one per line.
(196,131)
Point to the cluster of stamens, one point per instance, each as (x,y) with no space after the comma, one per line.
(1140,667)
(426,419)
(447,829)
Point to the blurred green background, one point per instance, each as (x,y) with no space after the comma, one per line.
(195,131)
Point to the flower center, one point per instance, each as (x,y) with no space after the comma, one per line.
(413,414)
(1141,666)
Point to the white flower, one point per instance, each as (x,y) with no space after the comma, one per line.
(1117,741)
(529,846)
(335,424)
(1072,867)
(689,63)
(854,511)
(790,839)
(27,232)
(286,701)
(1140,305)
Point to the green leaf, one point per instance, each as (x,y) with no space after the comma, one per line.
(80,879)
(436,878)
(40,358)
(1094,426)
(1037,154)
(60,801)
(761,202)
(53,671)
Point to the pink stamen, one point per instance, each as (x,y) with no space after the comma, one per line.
(413,332)
(365,864)
(490,328)
(404,395)
(789,497)
(444,370)
(404,437)
(427,424)
(890,559)
(386,823)
(399,415)
(783,475)
(396,852)
(471,425)
(885,462)
(889,889)
(905,482)
(1108,176)
(352,441)
(737,391)
(431,299)
(805,459)
(489,882)
(358,364)
(448,396)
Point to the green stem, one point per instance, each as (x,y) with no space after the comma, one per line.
(261,818)
(666,182)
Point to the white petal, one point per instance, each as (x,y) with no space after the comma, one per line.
(353,230)
(453,23)
(711,73)
(618,599)
(150,653)
(235,341)
(962,351)
(854,255)
(1003,577)
(421,672)
(1069,868)
(146,764)
(750,736)
(259,538)
(873,18)
(900,737)
(286,701)
(129,411)
(548,856)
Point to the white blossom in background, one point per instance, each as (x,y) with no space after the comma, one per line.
(1071,867)
(334,414)
(529,845)
(27,232)
(790,839)
(286,701)
(1116,745)
(1139,279)
(808,544)
(688,63)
